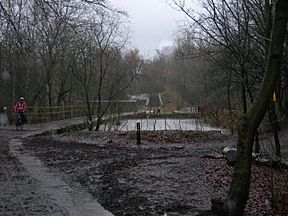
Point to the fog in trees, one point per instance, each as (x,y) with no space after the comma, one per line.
(228,59)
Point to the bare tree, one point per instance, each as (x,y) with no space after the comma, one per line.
(240,27)
(110,40)
(228,24)
(83,69)
(241,179)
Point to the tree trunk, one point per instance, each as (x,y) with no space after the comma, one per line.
(275,127)
(99,106)
(271,111)
(98,123)
(239,190)
(89,113)
(229,96)
(243,97)
(49,89)
(231,118)
(257,144)
(99,93)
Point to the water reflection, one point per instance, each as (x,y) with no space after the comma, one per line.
(160,124)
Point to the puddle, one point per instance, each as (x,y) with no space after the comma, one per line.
(162,124)
(75,201)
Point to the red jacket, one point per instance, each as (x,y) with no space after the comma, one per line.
(21,106)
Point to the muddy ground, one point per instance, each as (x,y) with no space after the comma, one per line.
(169,173)
(19,193)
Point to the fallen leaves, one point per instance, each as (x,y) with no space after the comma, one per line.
(179,136)
(119,166)
(268,188)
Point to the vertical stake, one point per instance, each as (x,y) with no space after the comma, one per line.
(138,134)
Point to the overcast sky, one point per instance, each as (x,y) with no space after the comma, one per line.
(153,23)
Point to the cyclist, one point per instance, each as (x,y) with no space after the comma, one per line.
(21,108)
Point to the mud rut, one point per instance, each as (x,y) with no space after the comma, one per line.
(150,179)
(19,195)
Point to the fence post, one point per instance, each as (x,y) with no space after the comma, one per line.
(138,134)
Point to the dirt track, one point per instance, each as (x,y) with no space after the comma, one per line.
(165,174)
(150,179)
(20,194)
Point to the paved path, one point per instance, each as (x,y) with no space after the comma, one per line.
(33,190)
(27,188)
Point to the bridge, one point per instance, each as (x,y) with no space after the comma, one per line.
(38,114)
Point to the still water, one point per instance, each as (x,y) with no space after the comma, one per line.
(160,124)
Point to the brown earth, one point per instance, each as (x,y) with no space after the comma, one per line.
(19,194)
(171,172)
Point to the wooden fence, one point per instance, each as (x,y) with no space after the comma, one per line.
(44,114)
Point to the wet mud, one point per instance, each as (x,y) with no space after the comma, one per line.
(164,175)
(171,173)
(20,194)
